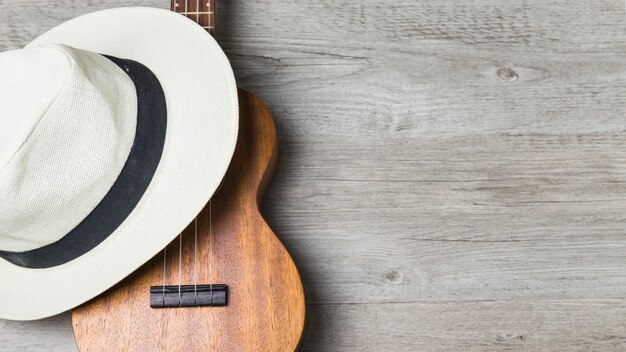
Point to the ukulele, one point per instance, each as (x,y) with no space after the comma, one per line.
(226,283)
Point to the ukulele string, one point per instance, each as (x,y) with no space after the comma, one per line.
(195,259)
(211,249)
(198,10)
(174,5)
(180,268)
(208,5)
(195,220)
(211,260)
(164,270)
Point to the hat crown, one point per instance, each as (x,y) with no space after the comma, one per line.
(37,73)
(67,123)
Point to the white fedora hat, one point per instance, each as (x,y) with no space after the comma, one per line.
(116,128)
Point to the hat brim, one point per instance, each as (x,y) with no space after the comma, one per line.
(202,128)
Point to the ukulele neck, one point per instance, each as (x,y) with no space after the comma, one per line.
(199,11)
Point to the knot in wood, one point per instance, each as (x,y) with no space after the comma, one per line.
(394,277)
(507,74)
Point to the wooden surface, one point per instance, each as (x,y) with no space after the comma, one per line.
(235,247)
(452,173)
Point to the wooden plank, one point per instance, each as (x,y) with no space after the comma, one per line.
(567,326)
(455,218)
(51,335)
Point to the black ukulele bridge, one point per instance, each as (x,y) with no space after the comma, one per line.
(178,296)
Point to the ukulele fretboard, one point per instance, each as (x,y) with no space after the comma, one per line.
(200,11)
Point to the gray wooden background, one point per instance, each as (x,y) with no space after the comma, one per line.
(452,173)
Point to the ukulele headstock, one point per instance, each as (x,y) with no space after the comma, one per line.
(199,11)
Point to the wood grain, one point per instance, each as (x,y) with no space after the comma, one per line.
(578,325)
(419,185)
(229,243)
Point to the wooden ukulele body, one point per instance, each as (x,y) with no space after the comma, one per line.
(266,307)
